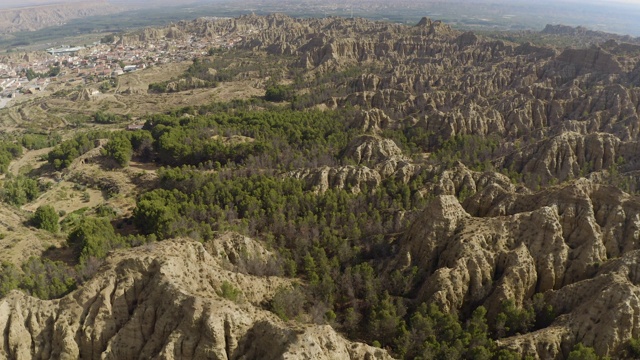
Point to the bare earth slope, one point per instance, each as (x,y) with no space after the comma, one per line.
(161,301)
(574,244)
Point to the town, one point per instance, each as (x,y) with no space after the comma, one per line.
(105,59)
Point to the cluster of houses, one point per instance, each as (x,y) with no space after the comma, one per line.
(98,61)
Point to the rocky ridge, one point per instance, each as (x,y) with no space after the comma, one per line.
(449,83)
(575,243)
(163,301)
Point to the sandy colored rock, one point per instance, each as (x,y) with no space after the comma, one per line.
(575,243)
(161,301)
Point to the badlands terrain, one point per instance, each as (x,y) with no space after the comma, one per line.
(331,188)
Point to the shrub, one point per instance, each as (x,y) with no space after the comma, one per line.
(512,320)
(581,352)
(63,155)
(278,93)
(633,348)
(230,292)
(288,303)
(20,190)
(106,118)
(46,218)
(8,152)
(119,149)
(46,279)
(9,278)
(39,141)
(94,237)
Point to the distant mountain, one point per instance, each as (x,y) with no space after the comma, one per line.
(581,32)
(40,14)
(31,15)
(11,4)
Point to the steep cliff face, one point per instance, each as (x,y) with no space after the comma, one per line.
(162,301)
(375,159)
(572,155)
(353,178)
(576,244)
(600,311)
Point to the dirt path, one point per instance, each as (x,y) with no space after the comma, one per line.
(29,159)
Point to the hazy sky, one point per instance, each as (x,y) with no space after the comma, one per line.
(21,3)
(6,3)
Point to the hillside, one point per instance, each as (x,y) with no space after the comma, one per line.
(38,16)
(140,306)
(324,183)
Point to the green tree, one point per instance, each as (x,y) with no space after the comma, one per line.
(46,218)
(31,74)
(39,141)
(512,320)
(288,303)
(311,270)
(278,93)
(544,313)
(8,152)
(105,118)
(9,278)
(54,71)
(480,346)
(108,39)
(46,279)
(581,352)
(633,348)
(119,149)
(94,237)
(63,155)
(157,212)
(20,190)
(384,320)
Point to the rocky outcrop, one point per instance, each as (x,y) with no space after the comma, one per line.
(161,301)
(460,181)
(236,252)
(540,115)
(571,155)
(589,60)
(353,178)
(190,83)
(375,158)
(80,95)
(600,312)
(582,35)
(372,150)
(577,244)
(589,211)
(447,83)
(470,261)
(374,120)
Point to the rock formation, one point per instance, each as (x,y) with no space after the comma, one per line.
(577,244)
(353,178)
(162,301)
(527,161)
(448,83)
